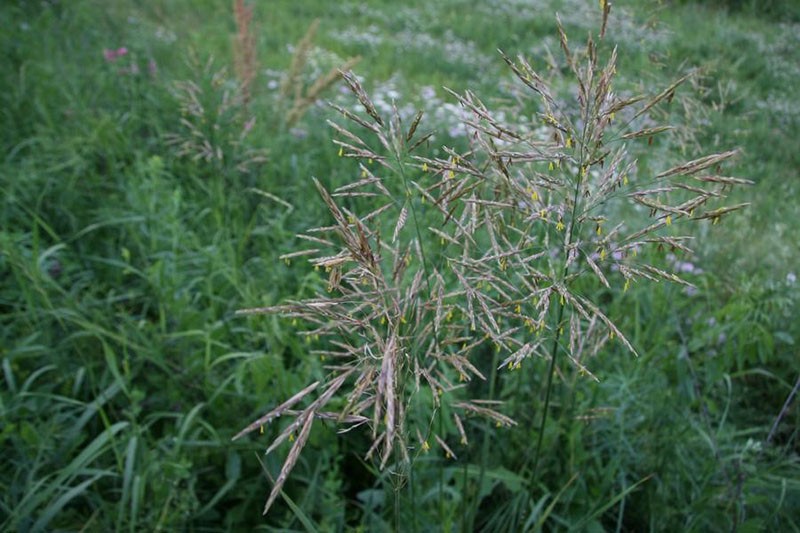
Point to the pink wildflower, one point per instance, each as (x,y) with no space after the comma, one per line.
(112,55)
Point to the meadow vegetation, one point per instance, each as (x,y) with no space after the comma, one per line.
(471,290)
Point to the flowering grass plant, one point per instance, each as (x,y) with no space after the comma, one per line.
(465,253)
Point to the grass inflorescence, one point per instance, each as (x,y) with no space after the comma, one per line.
(519,217)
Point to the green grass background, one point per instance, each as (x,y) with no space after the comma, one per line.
(125,372)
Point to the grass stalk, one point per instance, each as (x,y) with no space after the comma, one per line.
(573,229)
(784,410)
(484,448)
(440,495)
(397,485)
(548,389)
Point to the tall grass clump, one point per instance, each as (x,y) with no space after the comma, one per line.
(220,111)
(439,260)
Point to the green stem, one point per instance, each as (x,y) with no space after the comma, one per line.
(441,472)
(548,389)
(397,508)
(464,499)
(420,240)
(484,447)
(573,229)
(407,189)
(413,493)
(396,484)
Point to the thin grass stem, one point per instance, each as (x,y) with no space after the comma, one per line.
(548,388)
(484,447)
